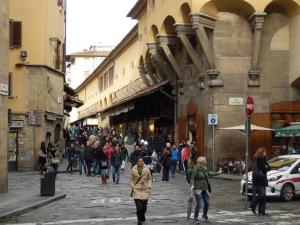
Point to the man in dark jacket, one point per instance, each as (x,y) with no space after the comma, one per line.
(135,155)
(117,159)
(88,157)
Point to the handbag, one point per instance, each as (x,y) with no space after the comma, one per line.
(208,184)
(104,163)
(54,161)
(257,173)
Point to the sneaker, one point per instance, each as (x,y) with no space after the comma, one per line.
(196,221)
(205,217)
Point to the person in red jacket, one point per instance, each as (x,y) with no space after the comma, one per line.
(108,150)
(185,158)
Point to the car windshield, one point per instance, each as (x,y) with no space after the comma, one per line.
(282,164)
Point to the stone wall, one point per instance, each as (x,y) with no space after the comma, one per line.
(3,99)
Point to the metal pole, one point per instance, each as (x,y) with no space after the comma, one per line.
(247,127)
(213,146)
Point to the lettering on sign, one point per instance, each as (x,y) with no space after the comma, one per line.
(236,101)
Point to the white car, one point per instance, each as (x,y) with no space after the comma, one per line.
(283,179)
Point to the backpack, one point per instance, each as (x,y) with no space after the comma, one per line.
(189,174)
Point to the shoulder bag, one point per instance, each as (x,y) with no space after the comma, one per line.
(136,184)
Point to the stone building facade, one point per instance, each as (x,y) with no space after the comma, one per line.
(36,67)
(214,54)
(3,98)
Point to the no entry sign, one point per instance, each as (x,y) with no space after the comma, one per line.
(249,106)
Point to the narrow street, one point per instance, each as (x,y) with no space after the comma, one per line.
(89,202)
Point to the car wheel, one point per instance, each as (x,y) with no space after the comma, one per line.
(287,192)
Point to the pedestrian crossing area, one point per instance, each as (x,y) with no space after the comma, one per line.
(275,217)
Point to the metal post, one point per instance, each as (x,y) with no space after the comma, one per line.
(213,146)
(247,127)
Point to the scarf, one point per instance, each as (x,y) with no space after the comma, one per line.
(140,169)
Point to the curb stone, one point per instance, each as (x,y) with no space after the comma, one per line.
(25,209)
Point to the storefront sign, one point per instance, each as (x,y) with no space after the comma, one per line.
(236,101)
(17,124)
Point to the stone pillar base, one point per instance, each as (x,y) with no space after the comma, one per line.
(253,78)
(213,78)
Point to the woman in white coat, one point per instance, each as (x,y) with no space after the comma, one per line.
(140,180)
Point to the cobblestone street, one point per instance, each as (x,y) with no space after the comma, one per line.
(89,202)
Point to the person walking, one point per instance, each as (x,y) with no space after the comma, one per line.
(117,159)
(88,157)
(82,163)
(185,152)
(174,159)
(260,181)
(140,181)
(103,156)
(135,155)
(166,163)
(42,156)
(201,187)
(108,149)
(71,158)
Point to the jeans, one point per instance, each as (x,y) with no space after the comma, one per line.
(82,164)
(96,169)
(88,163)
(116,170)
(173,166)
(141,208)
(259,197)
(205,197)
(55,167)
(185,166)
(109,168)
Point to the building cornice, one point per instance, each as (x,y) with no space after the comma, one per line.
(41,66)
(119,48)
(137,9)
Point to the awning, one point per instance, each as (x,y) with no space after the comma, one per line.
(290,131)
(242,128)
(137,95)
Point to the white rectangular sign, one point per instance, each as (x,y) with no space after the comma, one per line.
(213,119)
(236,101)
(3,89)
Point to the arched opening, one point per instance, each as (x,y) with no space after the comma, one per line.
(57,131)
(105,102)
(148,57)
(287,7)
(141,61)
(110,100)
(238,7)
(185,12)
(154,31)
(168,25)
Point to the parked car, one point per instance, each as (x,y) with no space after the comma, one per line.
(283,178)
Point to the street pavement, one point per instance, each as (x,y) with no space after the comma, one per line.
(89,202)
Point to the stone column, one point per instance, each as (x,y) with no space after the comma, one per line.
(4,30)
(183,30)
(149,70)
(143,75)
(159,62)
(165,41)
(256,21)
(200,22)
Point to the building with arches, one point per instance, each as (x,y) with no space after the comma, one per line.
(214,53)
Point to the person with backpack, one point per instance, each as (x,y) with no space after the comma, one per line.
(201,187)
(117,159)
(88,157)
(260,181)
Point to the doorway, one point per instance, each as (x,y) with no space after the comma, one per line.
(12,151)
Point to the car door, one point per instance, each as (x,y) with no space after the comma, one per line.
(295,177)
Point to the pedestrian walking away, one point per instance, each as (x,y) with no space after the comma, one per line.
(166,162)
(82,163)
(117,159)
(174,159)
(71,158)
(88,157)
(104,166)
(140,181)
(201,187)
(260,182)
(42,156)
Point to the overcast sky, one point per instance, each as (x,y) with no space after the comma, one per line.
(91,22)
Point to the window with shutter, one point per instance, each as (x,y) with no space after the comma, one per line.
(10,84)
(105,80)
(111,76)
(57,57)
(15,34)
(101,84)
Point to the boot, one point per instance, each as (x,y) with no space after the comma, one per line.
(103,179)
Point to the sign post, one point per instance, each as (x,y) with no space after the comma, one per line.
(213,121)
(249,111)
